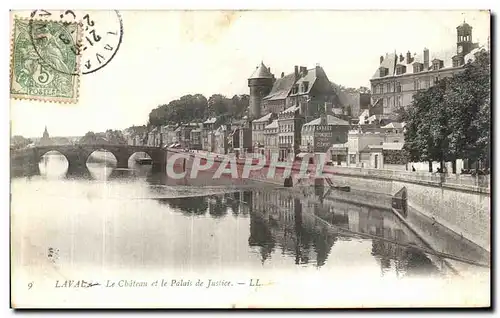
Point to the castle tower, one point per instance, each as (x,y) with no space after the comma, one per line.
(260,84)
(464,39)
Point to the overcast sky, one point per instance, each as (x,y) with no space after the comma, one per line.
(165,55)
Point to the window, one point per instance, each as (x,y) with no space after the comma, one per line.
(437,64)
(383,71)
(388,87)
(417,68)
(381,88)
(416,85)
(391,101)
(305,86)
(436,80)
(398,87)
(352,158)
(400,69)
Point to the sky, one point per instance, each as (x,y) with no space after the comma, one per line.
(167,54)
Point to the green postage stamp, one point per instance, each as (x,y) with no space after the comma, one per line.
(45,60)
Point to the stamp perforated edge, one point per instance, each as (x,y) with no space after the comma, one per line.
(76,85)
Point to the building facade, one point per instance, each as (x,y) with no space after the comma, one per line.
(310,89)
(320,134)
(271,139)
(258,131)
(290,123)
(399,77)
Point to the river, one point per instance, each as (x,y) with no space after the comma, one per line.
(129,222)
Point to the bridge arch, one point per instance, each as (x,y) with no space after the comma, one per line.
(45,150)
(78,155)
(98,159)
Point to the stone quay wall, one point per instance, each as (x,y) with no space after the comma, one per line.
(461,203)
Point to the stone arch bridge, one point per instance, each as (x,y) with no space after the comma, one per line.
(77,155)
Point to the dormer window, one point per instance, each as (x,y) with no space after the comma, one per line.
(418,67)
(383,71)
(305,86)
(400,69)
(295,89)
(457,61)
(437,64)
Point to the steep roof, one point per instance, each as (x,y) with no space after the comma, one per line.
(389,62)
(272,125)
(261,72)
(330,120)
(310,77)
(263,118)
(281,87)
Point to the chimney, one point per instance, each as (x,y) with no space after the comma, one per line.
(381,59)
(269,69)
(282,74)
(318,69)
(408,57)
(401,57)
(296,72)
(426,58)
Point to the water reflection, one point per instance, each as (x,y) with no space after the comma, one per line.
(282,225)
(146,223)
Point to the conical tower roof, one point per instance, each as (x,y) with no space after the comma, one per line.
(261,72)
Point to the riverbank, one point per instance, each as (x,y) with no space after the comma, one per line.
(458,204)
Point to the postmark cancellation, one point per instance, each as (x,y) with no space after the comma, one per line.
(45,60)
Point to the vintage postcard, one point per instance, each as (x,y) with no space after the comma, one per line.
(250,159)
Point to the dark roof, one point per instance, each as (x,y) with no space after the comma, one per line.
(281,87)
(261,72)
(310,77)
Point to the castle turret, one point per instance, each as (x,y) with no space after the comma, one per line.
(260,84)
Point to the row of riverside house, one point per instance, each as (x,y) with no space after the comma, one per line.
(303,112)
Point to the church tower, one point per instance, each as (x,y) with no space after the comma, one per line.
(260,84)
(464,39)
(45,140)
(45,134)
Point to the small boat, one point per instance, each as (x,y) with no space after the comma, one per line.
(144,161)
(346,189)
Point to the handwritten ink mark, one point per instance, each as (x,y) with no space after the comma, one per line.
(90,284)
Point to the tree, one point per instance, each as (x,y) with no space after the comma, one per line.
(93,138)
(188,108)
(115,137)
(19,142)
(451,120)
